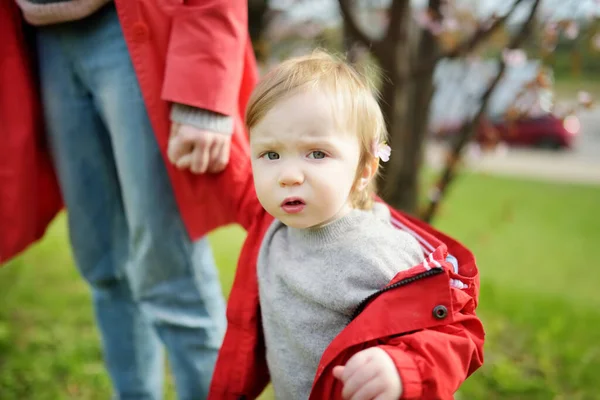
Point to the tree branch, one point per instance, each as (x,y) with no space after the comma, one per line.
(468,128)
(468,45)
(481,34)
(352,25)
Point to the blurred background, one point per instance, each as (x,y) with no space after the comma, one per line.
(496,141)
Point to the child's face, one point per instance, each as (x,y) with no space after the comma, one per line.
(304,164)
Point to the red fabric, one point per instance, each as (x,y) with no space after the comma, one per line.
(196,52)
(29,195)
(434,356)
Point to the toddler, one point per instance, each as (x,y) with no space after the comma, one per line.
(316,136)
(331,299)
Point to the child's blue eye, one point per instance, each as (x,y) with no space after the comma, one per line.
(317,155)
(271,155)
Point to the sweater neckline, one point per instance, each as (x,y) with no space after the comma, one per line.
(329,232)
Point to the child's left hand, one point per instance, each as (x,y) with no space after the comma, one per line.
(369,375)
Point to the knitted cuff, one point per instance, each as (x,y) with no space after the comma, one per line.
(54,13)
(202,119)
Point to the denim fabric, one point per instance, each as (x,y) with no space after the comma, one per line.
(152,287)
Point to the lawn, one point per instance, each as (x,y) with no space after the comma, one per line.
(535,244)
(566,88)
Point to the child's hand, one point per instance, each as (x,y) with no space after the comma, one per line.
(369,375)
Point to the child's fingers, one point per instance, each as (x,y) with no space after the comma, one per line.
(356,383)
(338,371)
(384,396)
(355,363)
(368,390)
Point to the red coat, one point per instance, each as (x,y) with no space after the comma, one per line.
(196,52)
(426,324)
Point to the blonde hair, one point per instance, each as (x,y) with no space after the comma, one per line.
(354,104)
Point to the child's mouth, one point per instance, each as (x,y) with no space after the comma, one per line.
(293,205)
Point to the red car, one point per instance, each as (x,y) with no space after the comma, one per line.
(546,131)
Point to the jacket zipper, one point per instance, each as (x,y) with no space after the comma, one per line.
(432,272)
(361,306)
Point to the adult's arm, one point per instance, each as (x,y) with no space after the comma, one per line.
(205,57)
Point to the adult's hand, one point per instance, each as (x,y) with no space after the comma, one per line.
(199,150)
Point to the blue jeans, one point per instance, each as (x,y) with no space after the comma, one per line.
(151,286)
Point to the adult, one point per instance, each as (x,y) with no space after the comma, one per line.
(116,80)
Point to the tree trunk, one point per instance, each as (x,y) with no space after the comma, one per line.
(405,104)
(422,94)
(257,10)
(398,179)
(407,90)
(404,99)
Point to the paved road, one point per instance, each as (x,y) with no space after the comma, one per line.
(579,165)
(588,144)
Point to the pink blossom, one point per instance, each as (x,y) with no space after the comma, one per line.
(584,97)
(425,21)
(381,151)
(423,18)
(551,28)
(514,57)
(384,152)
(450,24)
(572,30)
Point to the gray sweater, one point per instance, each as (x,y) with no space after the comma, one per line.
(310,282)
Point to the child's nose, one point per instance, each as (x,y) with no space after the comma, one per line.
(290,176)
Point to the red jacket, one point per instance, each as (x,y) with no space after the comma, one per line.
(195,52)
(423,320)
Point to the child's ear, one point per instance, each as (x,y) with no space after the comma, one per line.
(368,172)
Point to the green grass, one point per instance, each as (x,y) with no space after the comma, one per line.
(540,303)
(536,249)
(566,88)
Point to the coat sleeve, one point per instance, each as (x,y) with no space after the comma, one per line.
(206,54)
(210,65)
(434,362)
